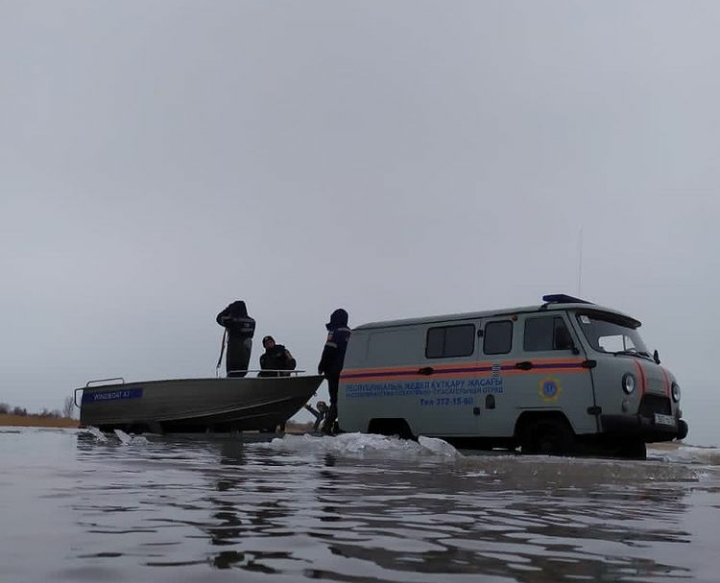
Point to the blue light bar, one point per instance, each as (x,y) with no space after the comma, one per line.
(563,299)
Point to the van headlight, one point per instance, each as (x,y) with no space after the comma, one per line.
(675,392)
(628,383)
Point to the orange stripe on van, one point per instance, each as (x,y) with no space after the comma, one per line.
(463,370)
(643,380)
(546,370)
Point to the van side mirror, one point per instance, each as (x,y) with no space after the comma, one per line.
(656,357)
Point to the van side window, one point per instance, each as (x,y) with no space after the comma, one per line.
(546,334)
(450,341)
(394,346)
(498,337)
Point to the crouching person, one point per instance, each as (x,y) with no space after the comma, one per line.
(318,413)
(275,360)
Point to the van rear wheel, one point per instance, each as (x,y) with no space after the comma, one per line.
(391,427)
(549,437)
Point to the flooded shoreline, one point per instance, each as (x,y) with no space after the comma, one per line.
(352,508)
(8,420)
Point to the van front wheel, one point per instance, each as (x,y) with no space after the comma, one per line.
(549,437)
(632,450)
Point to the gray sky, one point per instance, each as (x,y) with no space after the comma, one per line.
(161,159)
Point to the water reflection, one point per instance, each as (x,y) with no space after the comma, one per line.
(235,519)
(317,514)
(458,525)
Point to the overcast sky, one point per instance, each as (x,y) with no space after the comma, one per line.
(160,159)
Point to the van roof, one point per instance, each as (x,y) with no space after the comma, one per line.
(553,302)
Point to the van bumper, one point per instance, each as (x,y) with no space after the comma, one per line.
(646,428)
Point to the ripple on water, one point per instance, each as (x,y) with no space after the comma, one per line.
(351,508)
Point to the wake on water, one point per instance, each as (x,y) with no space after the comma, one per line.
(666,462)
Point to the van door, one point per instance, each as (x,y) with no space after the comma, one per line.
(495,406)
(552,373)
(446,407)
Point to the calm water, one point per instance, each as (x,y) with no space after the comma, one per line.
(78,506)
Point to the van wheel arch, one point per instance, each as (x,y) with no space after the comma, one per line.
(545,432)
(391,426)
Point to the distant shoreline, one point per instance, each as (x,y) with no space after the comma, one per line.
(7,420)
(36,421)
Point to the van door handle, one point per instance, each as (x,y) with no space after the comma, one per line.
(427,370)
(524,365)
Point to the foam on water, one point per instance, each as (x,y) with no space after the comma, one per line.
(93,432)
(692,454)
(126,439)
(123,438)
(673,462)
(361,444)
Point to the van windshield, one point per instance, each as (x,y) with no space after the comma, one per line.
(608,334)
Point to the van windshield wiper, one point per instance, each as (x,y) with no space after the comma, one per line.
(633,352)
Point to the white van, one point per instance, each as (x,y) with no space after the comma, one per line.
(556,378)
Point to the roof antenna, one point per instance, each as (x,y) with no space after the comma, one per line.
(580,256)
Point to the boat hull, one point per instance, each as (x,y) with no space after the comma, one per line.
(196,405)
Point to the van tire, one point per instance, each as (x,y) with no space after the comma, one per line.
(390,427)
(548,437)
(632,450)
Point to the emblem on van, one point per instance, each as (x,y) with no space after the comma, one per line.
(550,389)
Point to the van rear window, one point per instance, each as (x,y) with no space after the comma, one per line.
(450,341)
(498,337)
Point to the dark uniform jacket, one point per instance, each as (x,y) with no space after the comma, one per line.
(276,358)
(240,330)
(236,321)
(333,355)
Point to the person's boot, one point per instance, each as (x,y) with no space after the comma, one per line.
(329,423)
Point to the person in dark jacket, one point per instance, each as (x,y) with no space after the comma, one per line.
(239,330)
(332,361)
(276,358)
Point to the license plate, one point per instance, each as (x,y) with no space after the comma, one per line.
(664,420)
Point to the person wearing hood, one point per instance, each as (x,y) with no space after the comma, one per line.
(275,360)
(239,330)
(333,359)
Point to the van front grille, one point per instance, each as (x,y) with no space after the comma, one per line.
(651,404)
